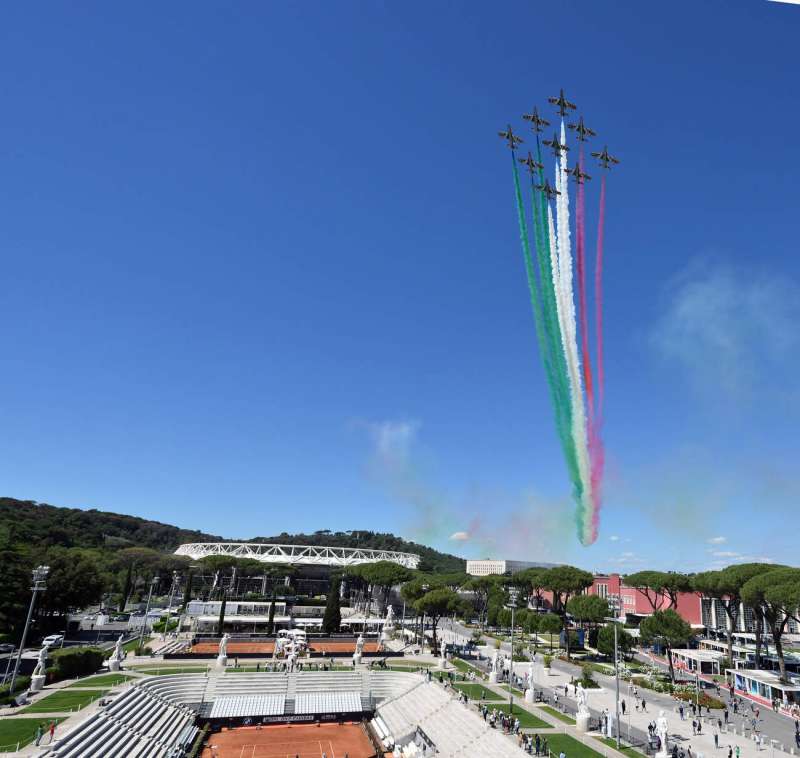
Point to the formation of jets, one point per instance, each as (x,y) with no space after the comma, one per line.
(582,133)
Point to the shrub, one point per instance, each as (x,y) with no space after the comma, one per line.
(72,662)
(548,659)
(587,680)
(706,701)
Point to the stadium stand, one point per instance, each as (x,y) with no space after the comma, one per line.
(327,702)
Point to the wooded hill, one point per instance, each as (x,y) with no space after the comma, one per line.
(42,525)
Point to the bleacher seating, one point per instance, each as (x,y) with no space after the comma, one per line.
(327,702)
(248,705)
(456,729)
(155,717)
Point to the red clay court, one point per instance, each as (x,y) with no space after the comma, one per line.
(319,647)
(288,741)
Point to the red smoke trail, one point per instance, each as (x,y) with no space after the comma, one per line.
(598,299)
(596,450)
(580,235)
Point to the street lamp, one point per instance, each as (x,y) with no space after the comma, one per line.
(615,621)
(39,577)
(153,583)
(513,594)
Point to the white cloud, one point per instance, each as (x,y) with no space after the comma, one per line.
(459,536)
(613,538)
(726,554)
(728,328)
(717,540)
(393,440)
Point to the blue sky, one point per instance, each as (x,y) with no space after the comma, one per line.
(261,271)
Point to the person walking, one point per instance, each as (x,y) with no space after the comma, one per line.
(622,705)
(730,751)
(39,734)
(681,712)
(644,706)
(694,728)
(716,739)
(52,731)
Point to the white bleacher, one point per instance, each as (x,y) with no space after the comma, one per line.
(327,702)
(248,705)
(456,729)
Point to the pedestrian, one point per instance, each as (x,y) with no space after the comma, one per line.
(52,731)
(562,754)
(258,667)
(622,705)
(680,711)
(737,751)
(694,727)
(719,724)
(730,752)
(716,739)
(725,715)
(39,734)
(644,706)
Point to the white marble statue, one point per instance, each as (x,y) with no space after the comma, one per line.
(223,644)
(118,652)
(360,644)
(661,731)
(530,674)
(443,650)
(496,662)
(42,663)
(389,617)
(580,696)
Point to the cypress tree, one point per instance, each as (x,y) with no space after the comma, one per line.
(333,615)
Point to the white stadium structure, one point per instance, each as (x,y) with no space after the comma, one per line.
(302,555)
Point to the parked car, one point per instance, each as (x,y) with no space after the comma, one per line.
(6,647)
(53,640)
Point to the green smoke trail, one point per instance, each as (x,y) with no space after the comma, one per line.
(548,333)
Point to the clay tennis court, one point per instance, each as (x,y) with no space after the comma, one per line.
(288,741)
(320,647)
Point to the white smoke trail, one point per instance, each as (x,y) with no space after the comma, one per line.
(570,331)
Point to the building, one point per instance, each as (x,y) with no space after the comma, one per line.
(489,566)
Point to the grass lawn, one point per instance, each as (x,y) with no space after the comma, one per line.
(612,743)
(104,680)
(527,720)
(462,665)
(571,747)
(474,691)
(23,731)
(557,714)
(63,700)
(514,690)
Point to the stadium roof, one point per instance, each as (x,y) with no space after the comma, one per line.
(312,555)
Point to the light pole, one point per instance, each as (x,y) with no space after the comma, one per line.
(614,621)
(39,577)
(513,594)
(153,583)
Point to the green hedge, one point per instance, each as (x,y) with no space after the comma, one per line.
(72,662)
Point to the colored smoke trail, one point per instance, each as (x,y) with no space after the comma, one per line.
(580,235)
(598,296)
(569,336)
(596,449)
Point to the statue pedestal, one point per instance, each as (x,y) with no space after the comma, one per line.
(356,659)
(662,753)
(582,722)
(113,664)
(529,695)
(493,677)
(37,682)
(222,661)
(547,671)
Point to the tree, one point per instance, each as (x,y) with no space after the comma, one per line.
(532,626)
(384,575)
(271,616)
(75,580)
(332,619)
(481,588)
(564,582)
(15,580)
(221,621)
(660,586)
(531,582)
(725,586)
(187,589)
(590,609)
(435,604)
(605,640)
(775,595)
(550,623)
(668,629)
(127,586)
